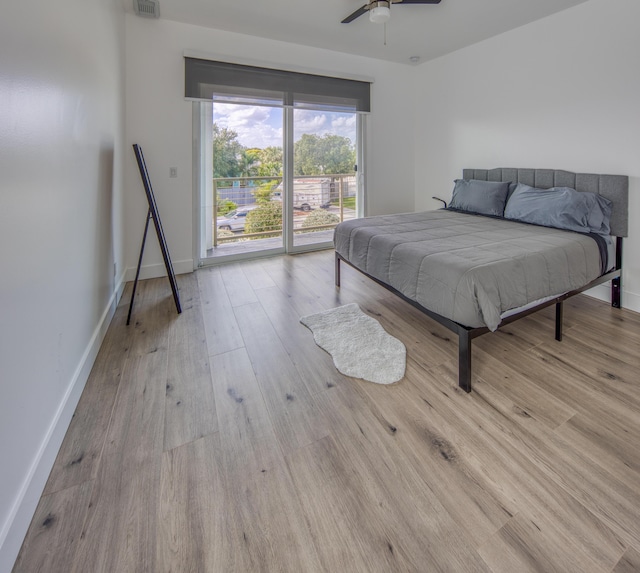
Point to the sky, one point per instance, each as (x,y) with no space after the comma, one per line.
(261,126)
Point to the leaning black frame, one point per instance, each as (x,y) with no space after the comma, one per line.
(466,334)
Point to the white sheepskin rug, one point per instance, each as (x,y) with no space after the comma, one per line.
(359,346)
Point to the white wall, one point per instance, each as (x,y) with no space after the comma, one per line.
(61,124)
(560,93)
(159,119)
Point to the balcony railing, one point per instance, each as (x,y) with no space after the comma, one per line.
(250,208)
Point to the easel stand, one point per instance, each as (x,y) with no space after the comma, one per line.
(152,215)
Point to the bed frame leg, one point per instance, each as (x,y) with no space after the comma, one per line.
(615,292)
(559,318)
(464,360)
(616,283)
(337,271)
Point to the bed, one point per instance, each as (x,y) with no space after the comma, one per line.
(494,254)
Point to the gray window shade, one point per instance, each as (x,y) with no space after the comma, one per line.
(221,81)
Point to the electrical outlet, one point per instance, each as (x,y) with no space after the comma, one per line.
(173,172)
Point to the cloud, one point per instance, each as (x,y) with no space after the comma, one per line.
(256,126)
(344,121)
(309,122)
(261,126)
(322,123)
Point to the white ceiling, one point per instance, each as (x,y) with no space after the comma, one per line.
(427,31)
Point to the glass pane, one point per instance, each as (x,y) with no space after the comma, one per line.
(247,178)
(324,185)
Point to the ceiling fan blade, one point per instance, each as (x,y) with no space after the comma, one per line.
(359,12)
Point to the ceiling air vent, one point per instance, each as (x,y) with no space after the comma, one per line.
(147,8)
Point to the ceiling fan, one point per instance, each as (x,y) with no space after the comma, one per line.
(380,10)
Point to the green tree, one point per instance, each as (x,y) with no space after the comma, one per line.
(227,153)
(225,205)
(270,162)
(263,192)
(329,154)
(248,162)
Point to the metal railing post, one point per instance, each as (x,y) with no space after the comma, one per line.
(214,221)
(340,195)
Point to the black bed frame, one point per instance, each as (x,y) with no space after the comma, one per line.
(467,334)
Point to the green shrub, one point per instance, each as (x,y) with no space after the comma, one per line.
(320,217)
(266,217)
(225,206)
(222,233)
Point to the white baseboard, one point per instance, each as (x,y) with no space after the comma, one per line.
(630,300)
(17,524)
(159,270)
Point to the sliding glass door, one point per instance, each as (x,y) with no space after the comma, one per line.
(277,162)
(324,189)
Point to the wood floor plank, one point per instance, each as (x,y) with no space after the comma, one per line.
(615,342)
(316,369)
(243,420)
(521,335)
(403,450)
(571,387)
(530,545)
(54,532)
(602,428)
(220,324)
(469,496)
(265,529)
(192,524)
(321,277)
(616,377)
(79,456)
(338,515)
(546,474)
(304,301)
(530,398)
(587,308)
(190,410)
(579,390)
(257,277)
(629,562)
(271,530)
(605,444)
(371,528)
(295,417)
(120,528)
(238,287)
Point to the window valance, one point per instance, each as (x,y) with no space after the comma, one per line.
(207,80)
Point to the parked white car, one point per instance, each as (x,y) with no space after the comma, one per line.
(234,220)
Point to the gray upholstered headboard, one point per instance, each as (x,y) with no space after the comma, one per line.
(613,187)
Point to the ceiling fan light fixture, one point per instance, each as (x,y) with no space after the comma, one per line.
(380,12)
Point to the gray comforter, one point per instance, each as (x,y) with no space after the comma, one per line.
(468,268)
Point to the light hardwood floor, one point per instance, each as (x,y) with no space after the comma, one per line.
(224,440)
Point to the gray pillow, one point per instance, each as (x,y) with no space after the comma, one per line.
(560,207)
(482,197)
